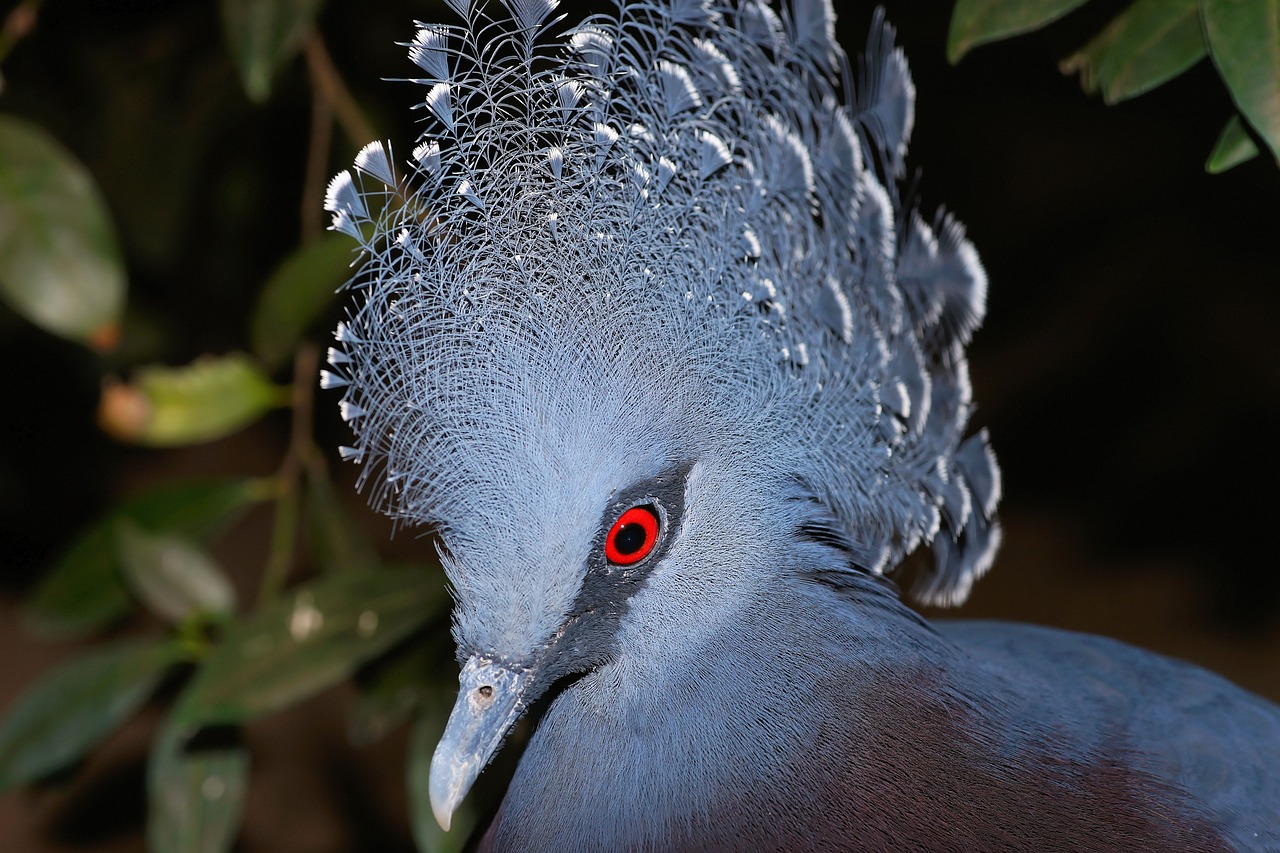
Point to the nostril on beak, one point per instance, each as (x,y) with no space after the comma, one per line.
(485,692)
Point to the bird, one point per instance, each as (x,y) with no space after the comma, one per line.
(649,331)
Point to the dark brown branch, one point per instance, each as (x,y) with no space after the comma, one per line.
(321,140)
(328,81)
(301,454)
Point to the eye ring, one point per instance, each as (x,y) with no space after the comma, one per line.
(633,536)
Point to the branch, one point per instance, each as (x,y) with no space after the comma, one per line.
(325,77)
(321,140)
(301,454)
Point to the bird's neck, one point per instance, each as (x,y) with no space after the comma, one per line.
(886,729)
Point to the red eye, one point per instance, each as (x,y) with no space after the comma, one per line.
(632,536)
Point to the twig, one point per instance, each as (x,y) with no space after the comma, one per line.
(328,81)
(321,140)
(301,454)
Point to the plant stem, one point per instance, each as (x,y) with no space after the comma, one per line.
(321,140)
(327,80)
(302,453)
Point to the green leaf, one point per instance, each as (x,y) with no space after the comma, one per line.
(173,576)
(264,35)
(195,795)
(428,835)
(60,263)
(1149,43)
(1244,40)
(297,293)
(205,400)
(393,691)
(337,542)
(974,22)
(85,590)
(72,708)
(1234,146)
(307,641)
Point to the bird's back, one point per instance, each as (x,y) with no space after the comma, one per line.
(1184,725)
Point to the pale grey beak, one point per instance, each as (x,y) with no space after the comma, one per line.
(489,703)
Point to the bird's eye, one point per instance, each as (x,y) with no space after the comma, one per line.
(632,536)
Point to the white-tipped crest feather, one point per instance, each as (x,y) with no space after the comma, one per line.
(722,277)
(372,160)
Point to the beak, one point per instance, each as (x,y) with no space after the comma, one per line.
(489,703)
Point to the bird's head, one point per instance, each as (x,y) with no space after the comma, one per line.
(575,435)
(641,329)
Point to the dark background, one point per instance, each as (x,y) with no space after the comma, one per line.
(1129,368)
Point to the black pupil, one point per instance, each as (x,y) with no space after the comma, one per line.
(630,538)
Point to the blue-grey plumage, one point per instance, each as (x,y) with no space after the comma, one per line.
(812,730)
(649,335)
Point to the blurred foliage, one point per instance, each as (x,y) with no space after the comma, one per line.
(121,268)
(60,265)
(139,218)
(1153,41)
(264,37)
(76,705)
(85,590)
(203,401)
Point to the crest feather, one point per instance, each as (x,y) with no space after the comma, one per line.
(682,197)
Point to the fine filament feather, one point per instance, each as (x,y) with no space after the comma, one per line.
(671,197)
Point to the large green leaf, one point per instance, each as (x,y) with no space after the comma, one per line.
(394,690)
(264,35)
(309,640)
(195,794)
(296,295)
(1244,41)
(85,591)
(207,399)
(337,542)
(1234,146)
(172,575)
(73,707)
(1149,43)
(974,22)
(60,264)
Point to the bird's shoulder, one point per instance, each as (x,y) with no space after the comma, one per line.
(1177,722)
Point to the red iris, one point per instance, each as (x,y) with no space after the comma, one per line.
(632,536)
